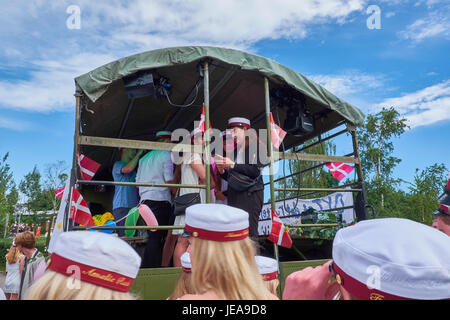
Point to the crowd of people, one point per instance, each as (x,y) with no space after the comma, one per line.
(217,250)
(16,228)
(222,263)
(236,159)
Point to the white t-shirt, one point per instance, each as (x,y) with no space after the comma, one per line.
(155,167)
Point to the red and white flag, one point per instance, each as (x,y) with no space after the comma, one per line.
(79,210)
(59,192)
(279,233)
(202,125)
(339,170)
(276,133)
(88,167)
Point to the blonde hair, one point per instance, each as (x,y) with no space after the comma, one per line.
(13,255)
(227,268)
(272,286)
(56,286)
(184,286)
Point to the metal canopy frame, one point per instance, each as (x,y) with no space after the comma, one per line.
(80,139)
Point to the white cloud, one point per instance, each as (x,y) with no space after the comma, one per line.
(389,14)
(348,82)
(35,30)
(423,107)
(13,124)
(51,88)
(435,24)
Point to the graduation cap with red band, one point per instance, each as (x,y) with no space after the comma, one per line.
(101,259)
(392,259)
(217,222)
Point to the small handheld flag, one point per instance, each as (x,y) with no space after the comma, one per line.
(276,133)
(339,170)
(202,125)
(279,233)
(59,192)
(79,210)
(88,167)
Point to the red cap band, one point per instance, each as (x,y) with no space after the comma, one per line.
(360,290)
(238,124)
(187,270)
(100,277)
(270,276)
(217,235)
(445,208)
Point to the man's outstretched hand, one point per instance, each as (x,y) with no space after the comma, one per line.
(311,284)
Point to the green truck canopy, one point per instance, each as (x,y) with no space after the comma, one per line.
(236,86)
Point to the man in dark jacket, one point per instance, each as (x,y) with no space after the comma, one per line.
(248,160)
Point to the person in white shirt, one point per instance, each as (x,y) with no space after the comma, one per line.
(156,167)
(192,172)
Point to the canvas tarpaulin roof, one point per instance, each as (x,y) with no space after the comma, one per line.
(236,86)
(95,83)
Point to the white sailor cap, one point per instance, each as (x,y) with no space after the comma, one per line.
(164,134)
(238,122)
(103,259)
(218,222)
(392,258)
(267,267)
(186,262)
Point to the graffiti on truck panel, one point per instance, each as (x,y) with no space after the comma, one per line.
(290,210)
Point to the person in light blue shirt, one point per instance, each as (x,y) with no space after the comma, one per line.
(156,167)
(125,197)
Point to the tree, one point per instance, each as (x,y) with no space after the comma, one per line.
(317,177)
(427,186)
(31,187)
(377,161)
(8,193)
(55,178)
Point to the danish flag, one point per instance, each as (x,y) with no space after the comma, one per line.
(279,233)
(59,192)
(88,167)
(79,210)
(276,133)
(202,125)
(339,170)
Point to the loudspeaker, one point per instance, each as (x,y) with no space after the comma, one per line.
(298,121)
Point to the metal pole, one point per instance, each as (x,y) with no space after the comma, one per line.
(140,184)
(361,200)
(269,153)
(73,175)
(207,137)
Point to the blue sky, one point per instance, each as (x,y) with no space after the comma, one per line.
(404,64)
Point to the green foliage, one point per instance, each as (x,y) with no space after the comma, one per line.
(37,198)
(378,164)
(312,216)
(317,178)
(422,199)
(375,142)
(8,192)
(377,161)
